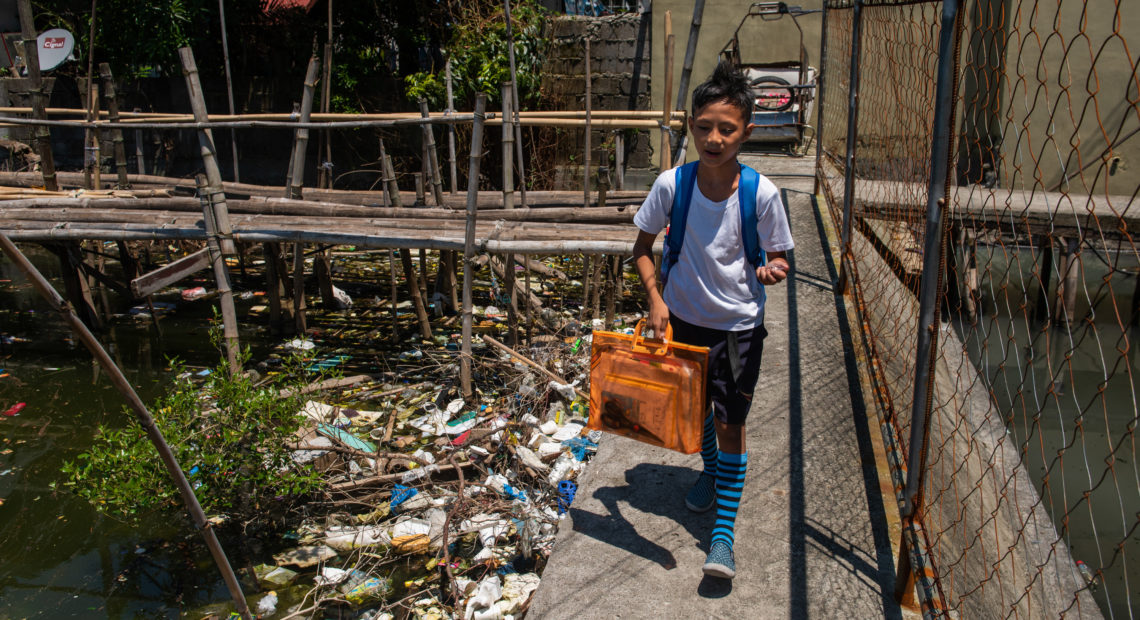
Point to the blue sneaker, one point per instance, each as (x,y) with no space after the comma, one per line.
(702,496)
(720,562)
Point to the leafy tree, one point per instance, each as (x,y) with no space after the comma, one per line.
(479,52)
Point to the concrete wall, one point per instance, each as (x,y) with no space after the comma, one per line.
(619,80)
(759,40)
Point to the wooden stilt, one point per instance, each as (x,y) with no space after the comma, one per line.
(322,269)
(587,276)
(526,287)
(433,156)
(299,288)
(513,296)
(454,179)
(423,272)
(101,269)
(469,243)
(619,269)
(213,189)
(453,277)
(588,155)
(421,197)
(619,159)
(508,144)
(412,281)
(221,275)
(611,289)
(393,186)
(394,295)
(273,288)
(75,283)
(596,286)
(1045,278)
(140,156)
(297,179)
(116,134)
(39,101)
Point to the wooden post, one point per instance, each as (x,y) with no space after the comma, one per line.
(413,284)
(508,143)
(322,269)
(421,197)
(273,288)
(388,178)
(667,106)
(1045,273)
(1067,286)
(324,146)
(296,114)
(452,258)
(433,156)
(140,156)
(526,285)
(75,283)
(39,105)
(589,132)
(619,159)
(229,86)
(209,155)
(299,288)
(423,272)
(515,104)
(116,134)
(603,185)
(596,286)
(221,275)
(611,289)
(587,275)
(469,243)
(298,162)
(91,178)
(394,295)
(451,132)
(513,297)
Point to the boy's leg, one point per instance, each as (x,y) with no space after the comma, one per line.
(703,494)
(735,397)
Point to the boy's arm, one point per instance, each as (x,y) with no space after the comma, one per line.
(776,269)
(643,260)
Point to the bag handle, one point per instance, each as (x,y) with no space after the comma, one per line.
(661,346)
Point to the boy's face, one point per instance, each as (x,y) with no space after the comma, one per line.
(718,130)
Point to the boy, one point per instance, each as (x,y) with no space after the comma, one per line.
(713,295)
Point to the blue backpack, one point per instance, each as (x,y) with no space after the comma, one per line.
(675,234)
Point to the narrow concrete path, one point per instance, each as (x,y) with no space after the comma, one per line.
(811,536)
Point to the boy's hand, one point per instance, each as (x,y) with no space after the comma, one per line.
(658,319)
(772,273)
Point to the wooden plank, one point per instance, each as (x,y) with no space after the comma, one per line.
(147,284)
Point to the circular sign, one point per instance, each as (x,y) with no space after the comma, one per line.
(55,46)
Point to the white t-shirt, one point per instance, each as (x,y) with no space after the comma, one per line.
(712,284)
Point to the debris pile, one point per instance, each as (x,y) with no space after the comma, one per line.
(438,505)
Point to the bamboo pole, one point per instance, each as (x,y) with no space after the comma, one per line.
(433,157)
(144,418)
(209,154)
(526,287)
(589,136)
(665,158)
(508,144)
(230,85)
(394,295)
(412,281)
(469,243)
(515,103)
(221,275)
(440,117)
(116,134)
(298,161)
(140,156)
(619,159)
(273,287)
(451,131)
(388,178)
(326,103)
(357,122)
(96,141)
(299,319)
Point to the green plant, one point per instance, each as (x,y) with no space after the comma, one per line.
(229,435)
(479,51)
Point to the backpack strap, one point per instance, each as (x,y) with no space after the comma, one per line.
(747,187)
(686,181)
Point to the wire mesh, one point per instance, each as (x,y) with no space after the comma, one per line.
(1030,503)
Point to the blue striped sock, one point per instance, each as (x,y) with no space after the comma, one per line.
(708,444)
(729,486)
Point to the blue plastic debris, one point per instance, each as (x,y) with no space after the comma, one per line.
(579,446)
(566,491)
(401,494)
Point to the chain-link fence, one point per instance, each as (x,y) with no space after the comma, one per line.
(999,319)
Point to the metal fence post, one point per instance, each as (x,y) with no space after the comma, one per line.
(820,85)
(931,259)
(852,132)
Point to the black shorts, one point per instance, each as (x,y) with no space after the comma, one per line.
(729,396)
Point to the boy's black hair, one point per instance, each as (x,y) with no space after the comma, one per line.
(728,85)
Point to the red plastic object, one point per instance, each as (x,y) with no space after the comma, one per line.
(14,409)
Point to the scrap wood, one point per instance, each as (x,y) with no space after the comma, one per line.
(21,193)
(327,384)
(535,365)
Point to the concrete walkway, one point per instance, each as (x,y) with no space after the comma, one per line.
(811,536)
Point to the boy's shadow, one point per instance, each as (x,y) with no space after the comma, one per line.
(655,489)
